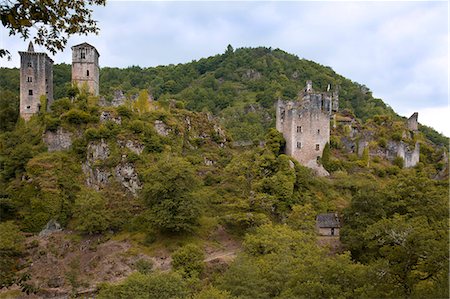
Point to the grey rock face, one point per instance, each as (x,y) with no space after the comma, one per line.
(118,99)
(97,151)
(96,177)
(127,176)
(51,227)
(161,128)
(58,141)
(252,75)
(134,146)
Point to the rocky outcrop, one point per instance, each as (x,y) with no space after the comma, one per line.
(317,169)
(134,146)
(118,98)
(108,116)
(51,227)
(161,128)
(126,175)
(58,141)
(96,177)
(251,75)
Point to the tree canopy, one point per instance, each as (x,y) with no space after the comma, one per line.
(53,21)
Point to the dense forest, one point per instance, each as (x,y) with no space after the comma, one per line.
(181,189)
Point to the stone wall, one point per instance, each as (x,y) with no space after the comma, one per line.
(327,231)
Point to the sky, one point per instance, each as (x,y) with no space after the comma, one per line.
(398,49)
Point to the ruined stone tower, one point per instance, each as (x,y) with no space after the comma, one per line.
(36,80)
(85,68)
(305,124)
(412,122)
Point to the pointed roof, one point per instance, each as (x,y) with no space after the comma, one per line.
(30,47)
(85,45)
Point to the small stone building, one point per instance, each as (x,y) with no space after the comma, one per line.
(36,80)
(328,224)
(85,67)
(305,124)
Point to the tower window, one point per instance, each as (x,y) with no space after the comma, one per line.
(83,55)
(299,145)
(29,79)
(28,107)
(30,92)
(299,129)
(317,147)
(318,131)
(87,73)
(29,64)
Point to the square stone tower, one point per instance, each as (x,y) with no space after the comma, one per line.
(85,68)
(36,80)
(305,124)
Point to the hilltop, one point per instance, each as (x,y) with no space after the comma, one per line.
(173,182)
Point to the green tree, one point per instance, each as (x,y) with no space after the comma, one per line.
(275,141)
(303,217)
(90,212)
(142,104)
(54,22)
(168,192)
(11,249)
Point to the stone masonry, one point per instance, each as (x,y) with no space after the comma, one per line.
(305,124)
(36,80)
(85,67)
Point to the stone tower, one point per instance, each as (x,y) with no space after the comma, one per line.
(305,124)
(85,68)
(36,80)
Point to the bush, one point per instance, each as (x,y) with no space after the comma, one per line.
(152,286)
(399,162)
(76,117)
(188,260)
(124,111)
(144,266)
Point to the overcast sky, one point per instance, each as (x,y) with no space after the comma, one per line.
(398,49)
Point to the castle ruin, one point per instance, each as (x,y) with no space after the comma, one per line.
(36,80)
(85,67)
(305,124)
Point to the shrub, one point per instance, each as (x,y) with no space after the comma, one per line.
(144,266)
(189,260)
(76,117)
(137,285)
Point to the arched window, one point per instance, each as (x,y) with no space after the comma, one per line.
(87,73)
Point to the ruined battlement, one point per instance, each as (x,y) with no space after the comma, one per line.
(305,124)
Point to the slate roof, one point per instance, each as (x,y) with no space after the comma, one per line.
(328,220)
(85,45)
